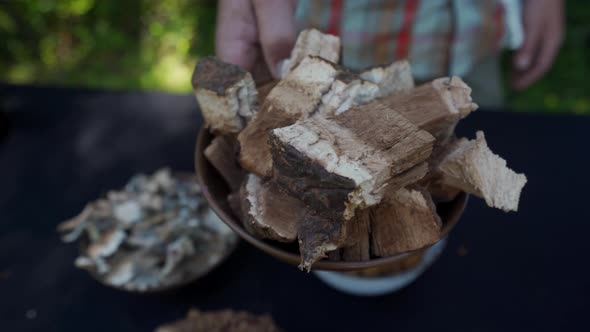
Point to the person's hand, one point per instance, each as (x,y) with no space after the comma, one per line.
(543,29)
(255,34)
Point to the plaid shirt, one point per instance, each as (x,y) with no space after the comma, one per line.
(438,37)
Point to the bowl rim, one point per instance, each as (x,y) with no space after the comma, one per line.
(203,139)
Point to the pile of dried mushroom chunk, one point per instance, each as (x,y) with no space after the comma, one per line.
(349,164)
(156,233)
(222,320)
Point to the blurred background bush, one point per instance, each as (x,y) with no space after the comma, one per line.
(153,45)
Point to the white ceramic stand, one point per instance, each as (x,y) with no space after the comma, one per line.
(375,286)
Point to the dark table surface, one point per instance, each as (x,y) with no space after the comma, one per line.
(500,272)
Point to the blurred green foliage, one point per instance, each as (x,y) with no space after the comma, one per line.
(116,44)
(153,45)
(567,86)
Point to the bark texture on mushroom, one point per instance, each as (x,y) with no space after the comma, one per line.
(226,95)
(318,235)
(293,98)
(339,164)
(269,212)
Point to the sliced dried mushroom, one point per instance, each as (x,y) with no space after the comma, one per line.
(175,252)
(107,245)
(156,233)
(121,274)
(127,212)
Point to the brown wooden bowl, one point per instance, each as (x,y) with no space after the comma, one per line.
(215,191)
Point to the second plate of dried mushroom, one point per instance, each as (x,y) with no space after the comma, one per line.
(155,234)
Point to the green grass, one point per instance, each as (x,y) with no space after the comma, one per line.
(567,86)
(153,45)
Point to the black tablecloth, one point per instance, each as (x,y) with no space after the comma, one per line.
(500,272)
